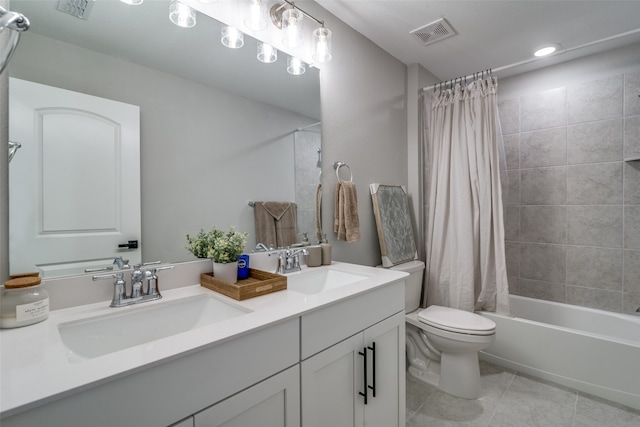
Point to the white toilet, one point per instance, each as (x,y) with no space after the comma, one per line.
(443,343)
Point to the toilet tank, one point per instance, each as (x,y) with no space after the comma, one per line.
(413,283)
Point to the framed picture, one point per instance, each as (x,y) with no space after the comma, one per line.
(393,221)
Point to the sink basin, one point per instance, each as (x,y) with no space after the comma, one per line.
(314,282)
(135,325)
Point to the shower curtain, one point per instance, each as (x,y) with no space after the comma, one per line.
(465,249)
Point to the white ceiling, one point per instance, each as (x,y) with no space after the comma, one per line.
(491,34)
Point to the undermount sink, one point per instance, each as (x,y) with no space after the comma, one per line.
(135,325)
(315,282)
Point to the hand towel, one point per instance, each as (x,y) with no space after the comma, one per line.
(346,221)
(275,223)
(319,212)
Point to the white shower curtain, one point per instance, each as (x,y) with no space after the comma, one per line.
(465,250)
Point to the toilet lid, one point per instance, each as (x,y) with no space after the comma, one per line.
(455,320)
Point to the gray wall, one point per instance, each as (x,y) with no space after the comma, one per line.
(364,117)
(573,212)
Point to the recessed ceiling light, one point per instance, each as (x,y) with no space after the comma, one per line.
(545,50)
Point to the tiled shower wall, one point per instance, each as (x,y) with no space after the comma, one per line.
(307,176)
(573,206)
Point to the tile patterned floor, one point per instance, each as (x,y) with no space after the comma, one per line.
(511,399)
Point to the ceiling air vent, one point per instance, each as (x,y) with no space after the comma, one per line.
(436,31)
(78,8)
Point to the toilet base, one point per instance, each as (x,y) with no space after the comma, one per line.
(460,375)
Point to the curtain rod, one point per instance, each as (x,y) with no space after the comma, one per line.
(527,61)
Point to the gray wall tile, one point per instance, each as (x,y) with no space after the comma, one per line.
(594,267)
(509,111)
(512,223)
(542,262)
(631,302)
(543,186)
(632,183)
(512,254)
(632,227)
(512,150)
(595,142)
(632,136)
(631,271)
(542,290)
(595,100)
(594,298)
(543,224)
(513,196)
(543,148)
(594,226)
(632,94)
(594,184)
(543,110)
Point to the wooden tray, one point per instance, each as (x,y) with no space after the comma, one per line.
(258,283)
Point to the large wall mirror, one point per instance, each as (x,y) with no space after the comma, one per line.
(217,127)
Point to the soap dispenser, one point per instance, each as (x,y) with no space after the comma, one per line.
(326,250)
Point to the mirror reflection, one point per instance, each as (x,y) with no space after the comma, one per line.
(217,128)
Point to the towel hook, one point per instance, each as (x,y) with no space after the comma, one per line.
(337,166)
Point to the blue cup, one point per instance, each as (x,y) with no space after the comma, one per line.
(243,266)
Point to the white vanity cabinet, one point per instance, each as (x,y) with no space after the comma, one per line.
(334,380)
(275,402)
(166,393)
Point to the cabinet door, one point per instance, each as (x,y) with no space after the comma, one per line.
(385,365)
(329,387)
(274,402)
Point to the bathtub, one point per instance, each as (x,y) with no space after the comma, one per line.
(594,351)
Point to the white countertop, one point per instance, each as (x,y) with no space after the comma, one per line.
(35,369)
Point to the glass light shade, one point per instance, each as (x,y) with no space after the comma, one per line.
(295,66)
(292,27)
(232,37)
(132,2)
(322,45)
(257,19)
(267,53)
(181,14)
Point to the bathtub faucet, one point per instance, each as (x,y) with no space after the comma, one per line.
(638,311)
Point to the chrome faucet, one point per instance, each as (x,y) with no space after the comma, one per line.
(289,261)
(138,292)
(122,264)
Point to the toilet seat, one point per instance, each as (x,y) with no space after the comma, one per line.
(458,321)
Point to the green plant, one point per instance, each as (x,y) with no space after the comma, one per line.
(223,247)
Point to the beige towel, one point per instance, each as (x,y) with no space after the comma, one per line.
(346,223)
(275,223)
(319,212)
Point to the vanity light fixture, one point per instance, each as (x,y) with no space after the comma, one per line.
(322,45)
(295,66)
(545,50)
(181,14)
(232,37)
(292,27)
(257,19)
(133,2)
(286,16)
(267,53)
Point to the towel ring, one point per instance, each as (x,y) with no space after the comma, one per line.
(337,166)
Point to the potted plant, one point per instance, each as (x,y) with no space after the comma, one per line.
(223,247)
